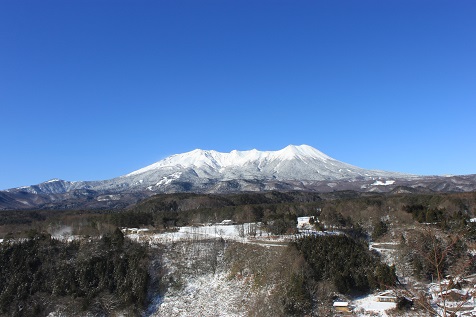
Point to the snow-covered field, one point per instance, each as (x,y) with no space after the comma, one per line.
(369,306)
(245,233)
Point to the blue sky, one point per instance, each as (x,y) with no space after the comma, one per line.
(96,89)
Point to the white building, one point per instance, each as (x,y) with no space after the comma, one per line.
(306,222)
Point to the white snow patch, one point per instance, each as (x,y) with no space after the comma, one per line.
(168,179)
(52,180)
(108,197)
(380,183)
(61,232)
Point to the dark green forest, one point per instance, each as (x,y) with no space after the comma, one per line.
(40,273)
(348,264)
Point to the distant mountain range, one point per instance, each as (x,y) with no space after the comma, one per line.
(292,168)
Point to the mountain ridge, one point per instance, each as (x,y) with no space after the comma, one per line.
(207,171)
(254,164)
(217,159)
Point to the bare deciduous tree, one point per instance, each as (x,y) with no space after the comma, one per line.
(438,256)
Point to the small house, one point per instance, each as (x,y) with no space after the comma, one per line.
(306,222)
(342,307)
(387,297)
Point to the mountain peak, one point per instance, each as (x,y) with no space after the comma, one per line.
(303,151)
(294,167)
(219,160)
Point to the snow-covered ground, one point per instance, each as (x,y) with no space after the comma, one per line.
(369,306)
(386,250)
(249,232)
(245,233)
(196,276)
(206,295)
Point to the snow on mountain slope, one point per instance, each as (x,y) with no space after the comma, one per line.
(201,170)
(217,160)
(291,163)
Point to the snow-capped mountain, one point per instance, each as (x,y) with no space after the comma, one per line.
(200,167)
(303,163)
(292,168)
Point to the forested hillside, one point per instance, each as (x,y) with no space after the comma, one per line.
(80,262)
(40,275)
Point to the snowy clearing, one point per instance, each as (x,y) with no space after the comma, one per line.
(369,306)
(246,233)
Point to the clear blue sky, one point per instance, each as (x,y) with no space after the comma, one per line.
(96,89)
